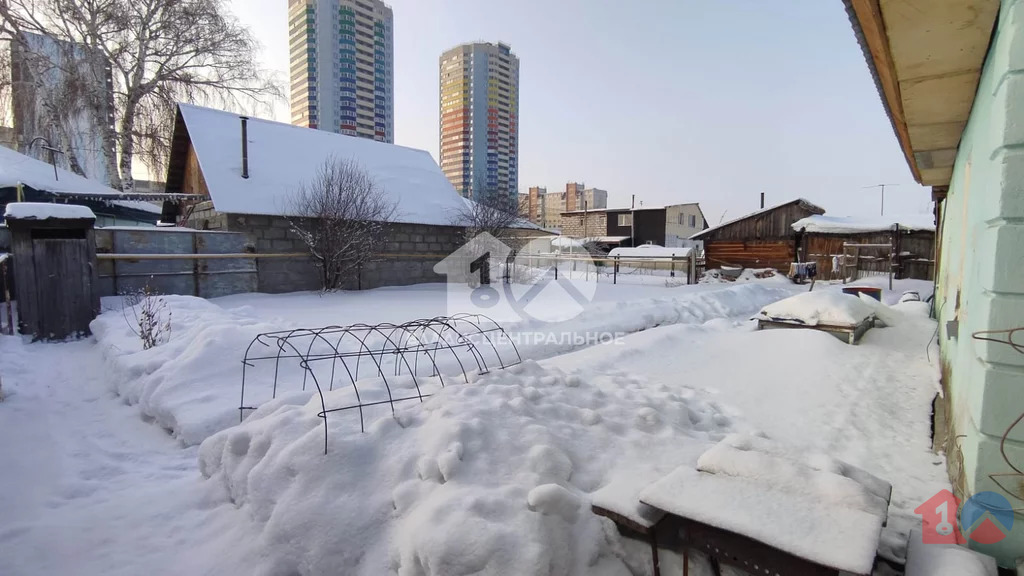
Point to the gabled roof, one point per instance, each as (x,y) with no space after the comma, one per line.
(805,204)
(282,157)
(17,168)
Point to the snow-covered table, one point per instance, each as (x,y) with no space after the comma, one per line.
(842,315)
(620,502)
(768,509)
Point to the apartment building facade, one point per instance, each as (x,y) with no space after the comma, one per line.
(479,92)
(545,210)
(342,67)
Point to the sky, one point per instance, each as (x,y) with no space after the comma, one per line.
(672,101)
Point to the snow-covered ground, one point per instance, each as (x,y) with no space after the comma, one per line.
(493,477)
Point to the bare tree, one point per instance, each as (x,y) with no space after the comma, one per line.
(493,212)
(342,216)
(156,52)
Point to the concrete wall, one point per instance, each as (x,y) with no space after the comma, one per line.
(412,251)
(981,281)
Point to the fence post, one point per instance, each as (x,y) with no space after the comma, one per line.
(615,271)
(556,267)
(672,266)
(691,271)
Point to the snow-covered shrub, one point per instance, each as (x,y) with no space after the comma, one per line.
(148,315)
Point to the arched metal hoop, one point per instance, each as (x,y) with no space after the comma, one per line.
(425,350)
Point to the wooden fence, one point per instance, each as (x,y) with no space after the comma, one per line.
(175,261)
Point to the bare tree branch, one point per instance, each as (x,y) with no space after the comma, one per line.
(342,216)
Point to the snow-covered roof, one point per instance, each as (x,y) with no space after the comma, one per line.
(17,168)
(810,205)
(44,210)
(859,224)
(282,156)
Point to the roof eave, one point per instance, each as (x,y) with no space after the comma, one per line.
(866,19)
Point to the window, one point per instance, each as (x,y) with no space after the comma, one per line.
(693,221)
(625,219)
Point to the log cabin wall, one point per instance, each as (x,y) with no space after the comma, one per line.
(762,240)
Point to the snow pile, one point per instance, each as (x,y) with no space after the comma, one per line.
(828,307)
(44,210)
(190,384)
(718,276)
(492,477)
(807,504)
(861,224)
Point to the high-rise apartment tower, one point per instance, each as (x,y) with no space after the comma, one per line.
(480,119)
(342,73)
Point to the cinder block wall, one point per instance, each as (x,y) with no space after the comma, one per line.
(596,225)
(412,251)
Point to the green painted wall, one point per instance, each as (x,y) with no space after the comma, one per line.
(981,280)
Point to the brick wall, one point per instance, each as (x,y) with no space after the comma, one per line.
(412,250)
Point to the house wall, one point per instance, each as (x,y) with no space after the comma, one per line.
(648,226)
(764,240)
(576,226)
(681,222)
(411,253)
(980,282)
(193,182)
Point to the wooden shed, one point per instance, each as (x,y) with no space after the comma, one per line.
(54,253)
(763,239)
(904,245)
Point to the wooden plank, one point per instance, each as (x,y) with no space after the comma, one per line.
(24,281)
(872,26)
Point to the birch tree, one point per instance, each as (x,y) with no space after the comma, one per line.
(158,52)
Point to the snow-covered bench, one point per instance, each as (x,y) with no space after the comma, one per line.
(765,508)
(844,316)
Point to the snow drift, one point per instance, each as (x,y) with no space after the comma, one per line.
(191,384)
(492,477)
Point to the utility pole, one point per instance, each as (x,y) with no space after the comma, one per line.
(882,186)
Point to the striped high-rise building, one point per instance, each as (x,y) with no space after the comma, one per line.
(342,54)
(480,119)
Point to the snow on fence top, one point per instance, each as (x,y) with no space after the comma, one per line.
(283,156)
(853,225)
(43,210)
(651,251)
(823,307)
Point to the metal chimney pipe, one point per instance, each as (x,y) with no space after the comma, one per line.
(762,200)
(245,146)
